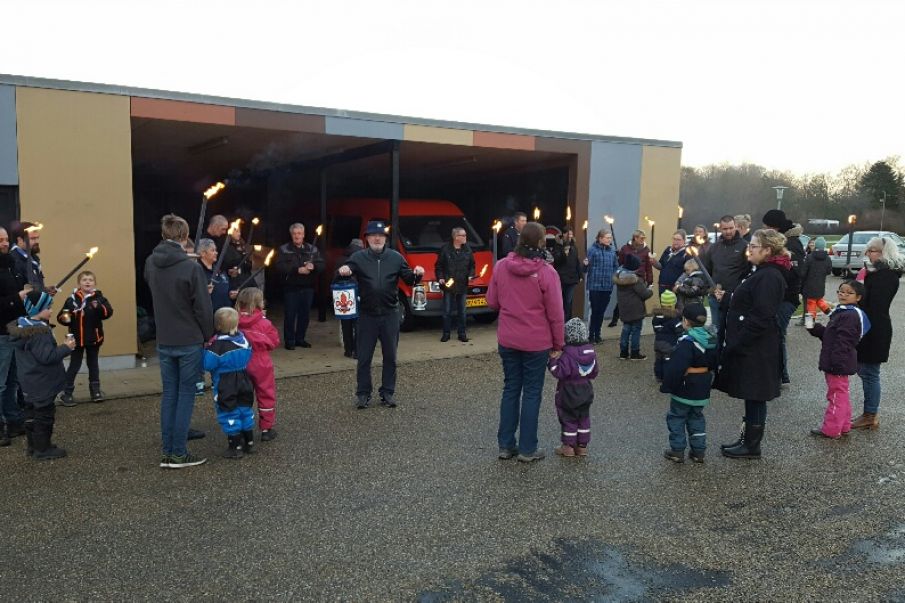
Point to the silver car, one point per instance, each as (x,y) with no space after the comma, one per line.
(860,238)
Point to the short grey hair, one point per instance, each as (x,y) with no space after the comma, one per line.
(295,226)
(218,220)
(205,245)
(458,229)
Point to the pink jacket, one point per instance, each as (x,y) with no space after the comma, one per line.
(528,296)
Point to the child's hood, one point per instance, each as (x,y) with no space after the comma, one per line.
(862,316)
(625,278)
(250,320)
(521,266)
(666,312)
(703,336)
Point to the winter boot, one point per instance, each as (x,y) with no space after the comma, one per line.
(43,449)
(750,446)
(96,394)
(741,437)
(14,430)
(234,447)
(66,399)
(29,438)
(867,420)
(248,444)
(4,437)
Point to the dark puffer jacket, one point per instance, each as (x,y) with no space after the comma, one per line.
(11,306)
(839,354)
(813,274)
(291,258)
(87,313)
(39,361)
(457,264)
(567,263)
(630,294)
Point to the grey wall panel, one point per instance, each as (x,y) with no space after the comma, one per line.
(9,156)
(364,128)
(615,187)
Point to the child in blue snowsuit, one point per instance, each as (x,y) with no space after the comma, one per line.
(687,376)
(226,357)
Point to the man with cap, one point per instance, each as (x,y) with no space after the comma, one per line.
(776,219)
(39,367)
(377,270)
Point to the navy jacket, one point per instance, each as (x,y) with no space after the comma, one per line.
(839,352)
(671,265)
(39,361)
(378,275)
(667,328)
(696,349)
(11,306)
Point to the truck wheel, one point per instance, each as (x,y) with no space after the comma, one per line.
(837,271)
(406,318)
(485,318)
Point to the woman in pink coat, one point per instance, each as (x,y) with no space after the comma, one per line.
(263,337)
(527,293)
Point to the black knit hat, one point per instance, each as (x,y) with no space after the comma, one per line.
(696,314)
(776,219)
(631,262)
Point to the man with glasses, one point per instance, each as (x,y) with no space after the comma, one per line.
(726,261)
(454,267)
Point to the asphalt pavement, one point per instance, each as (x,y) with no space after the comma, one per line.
(411,504)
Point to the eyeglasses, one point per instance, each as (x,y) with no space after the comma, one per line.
(753,246)
(874,251)
(844,292)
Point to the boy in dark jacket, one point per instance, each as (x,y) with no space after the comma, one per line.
(687,376)
(226,357)
(84,312)
(815,268)
(839,357)
(631,291)
(39,365)
(667,325)
(574,369)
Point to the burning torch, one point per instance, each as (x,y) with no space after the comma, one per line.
(609,220)
(259,270)
(207,196)
(495,231)
(233,228)
(69,274)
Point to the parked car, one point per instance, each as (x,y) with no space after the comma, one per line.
(859,240)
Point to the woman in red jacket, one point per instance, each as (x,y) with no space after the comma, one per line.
(527,293)
(263,337)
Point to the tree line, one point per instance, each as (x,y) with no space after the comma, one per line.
(711,191)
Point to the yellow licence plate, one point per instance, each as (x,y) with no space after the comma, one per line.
(475,302)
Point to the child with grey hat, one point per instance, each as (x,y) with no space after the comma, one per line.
(574,369)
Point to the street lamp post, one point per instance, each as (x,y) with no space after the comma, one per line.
(779,191)
(883,210)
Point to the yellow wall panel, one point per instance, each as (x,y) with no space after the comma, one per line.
(438,135)
(75,177)
(660,176)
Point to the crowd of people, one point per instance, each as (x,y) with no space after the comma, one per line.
(752,281)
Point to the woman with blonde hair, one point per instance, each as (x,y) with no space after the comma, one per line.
(750,365)
(884,267)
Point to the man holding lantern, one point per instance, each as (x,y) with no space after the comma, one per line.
(454,267)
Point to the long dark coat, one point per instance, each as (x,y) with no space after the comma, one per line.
(750,366)
(881,286)
(814,271)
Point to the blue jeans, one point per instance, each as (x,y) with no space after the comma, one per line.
(451,300)
(685,417)
(10,410)
(715,316)
(599,302)
(180,366)
(870,381)
(296,314)
(631,334)
(523,384)
(783,316)
(568,296)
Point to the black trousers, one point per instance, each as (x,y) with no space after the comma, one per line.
(349,326)
(39,420)
(296,314)
(384,328)
(75,363)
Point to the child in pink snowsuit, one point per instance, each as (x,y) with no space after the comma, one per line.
(839,357)
(263,337)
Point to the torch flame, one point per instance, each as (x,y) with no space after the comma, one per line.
(255,221)
(609,219)
(91,252)
(269,257)
(568,213)
(35,227)
(692,249)
(699,239)
(319,230)
(234,226)
(213,190)
(852,218)
(716,225)
(649,221)
(258,247)
(585,225)
(450,282)
(536,214)
(497,225)
(483,271)
(681,211)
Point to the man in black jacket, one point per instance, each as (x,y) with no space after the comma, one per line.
(12,294)
(454,268)
(378,270)
(727,262)
(298,265)
(569,267)
(510,236)
(182,312)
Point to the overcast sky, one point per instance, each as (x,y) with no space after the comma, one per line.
(789,84)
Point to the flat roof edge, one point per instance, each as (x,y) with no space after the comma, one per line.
(37,82)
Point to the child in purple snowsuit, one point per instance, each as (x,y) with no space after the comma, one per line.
(574,369)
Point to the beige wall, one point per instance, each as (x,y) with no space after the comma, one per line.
(75,177)
(661,170)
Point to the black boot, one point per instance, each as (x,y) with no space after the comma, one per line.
(248,445)
(234,448)
(741,437)
(44,450)
(29,438)
(96,394)
(66,398)
(750,446)
(4,437)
